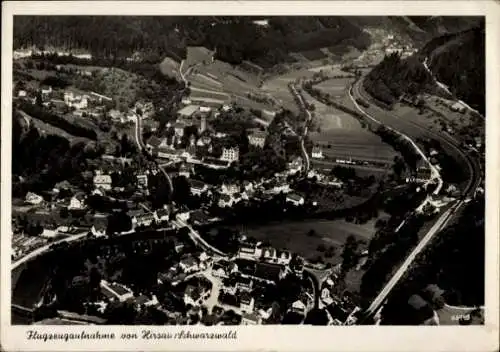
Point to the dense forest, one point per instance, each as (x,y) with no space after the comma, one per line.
(44,160)
(234,38)
(394,77)
(454,261)
(457,60)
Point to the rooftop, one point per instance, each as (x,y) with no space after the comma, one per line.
(188,110)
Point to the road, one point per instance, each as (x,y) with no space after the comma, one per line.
(435,175)
(45,248)
(381,297)
(141,146)
(307,163)
(195,236)
(474,181)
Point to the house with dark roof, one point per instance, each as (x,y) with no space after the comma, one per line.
(247,302)
(243,283)
(197,187)
(115,291)
(153,142)
(224,268)
(294,199)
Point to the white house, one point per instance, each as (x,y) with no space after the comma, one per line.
(189,265)
(229,188)
(257,139)
(102,181)
(295,199)
(98,231)
(299,307)
(33,198)
(117,291)
(317,153)
(21,93)
(77,101)
(77,202)
(230,154)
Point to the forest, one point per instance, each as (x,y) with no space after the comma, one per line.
(234,39)
(45,160)
(394,77)
(459,62)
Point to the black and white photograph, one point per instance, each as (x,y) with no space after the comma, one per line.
(227,170)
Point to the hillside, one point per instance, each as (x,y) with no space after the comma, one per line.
(457,60)
(234,39)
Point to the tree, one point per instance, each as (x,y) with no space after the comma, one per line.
(349,254)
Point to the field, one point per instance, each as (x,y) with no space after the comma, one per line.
(336,86)
(217,81)
(294,236)
(341,135)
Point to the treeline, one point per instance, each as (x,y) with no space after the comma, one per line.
(454,261)
(57,121)
(235,39)
(401,145)
(394,77)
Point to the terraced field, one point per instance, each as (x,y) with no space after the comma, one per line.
(342,136)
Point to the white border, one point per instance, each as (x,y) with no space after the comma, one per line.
(283,338)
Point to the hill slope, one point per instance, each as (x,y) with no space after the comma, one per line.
(457,60)
(234,38)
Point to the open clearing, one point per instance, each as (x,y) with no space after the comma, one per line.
(342,136)
(294,236)
(336,86)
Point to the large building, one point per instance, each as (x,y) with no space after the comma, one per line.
(230,154)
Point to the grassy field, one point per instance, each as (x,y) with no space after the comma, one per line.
(294,236)
(335,86)
(341,135)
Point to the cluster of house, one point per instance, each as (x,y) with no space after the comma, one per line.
(338,311)
(25,53)
(117,292)
(141,110)
(80,103)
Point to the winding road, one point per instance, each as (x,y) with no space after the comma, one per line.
(303,106)
(473,183)
(142,147)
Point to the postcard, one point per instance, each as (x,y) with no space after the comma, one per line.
(254,176)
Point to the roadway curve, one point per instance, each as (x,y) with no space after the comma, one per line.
(309,118)
(435,173)
(195,236)
(41,250)
(441,222)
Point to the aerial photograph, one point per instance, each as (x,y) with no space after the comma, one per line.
(248,170)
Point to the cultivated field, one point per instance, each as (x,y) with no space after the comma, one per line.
(294,236)
(342,136)
(335,87)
